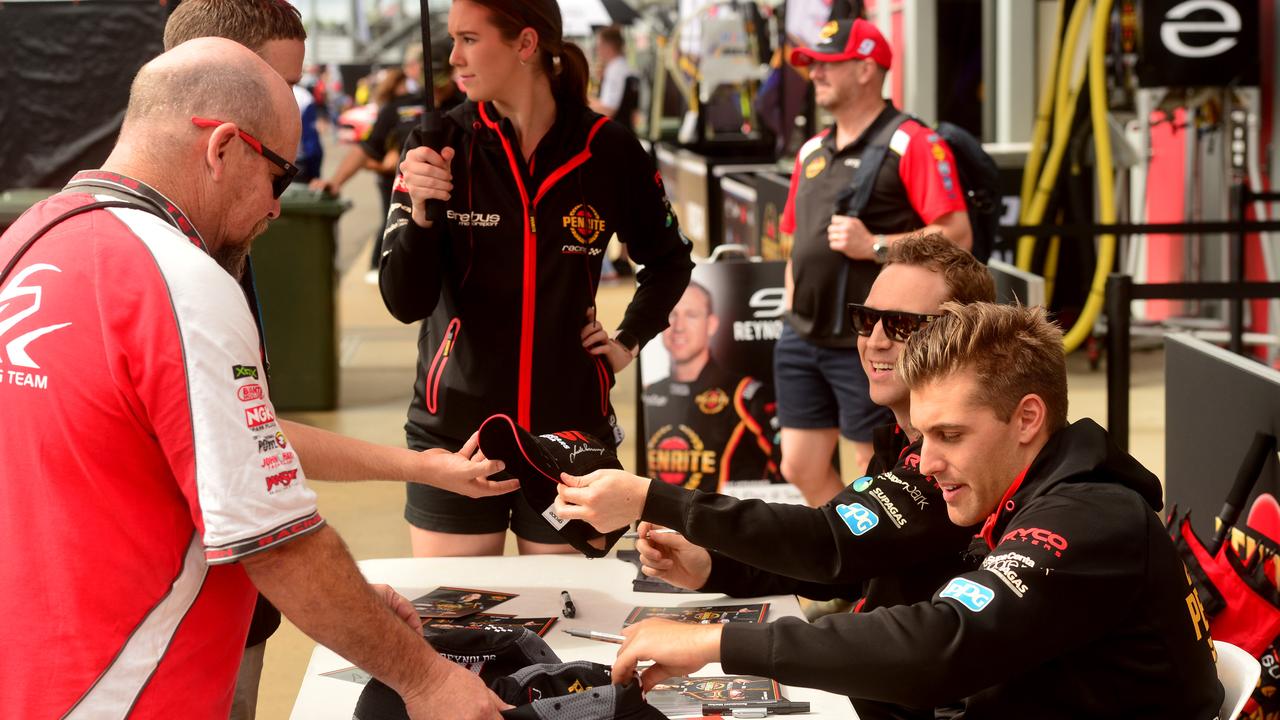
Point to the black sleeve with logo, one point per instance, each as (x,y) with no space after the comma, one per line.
(412,269)
(1077,606)
(875,526)
(651,231)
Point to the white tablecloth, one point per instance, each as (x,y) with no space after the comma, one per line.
(601,591)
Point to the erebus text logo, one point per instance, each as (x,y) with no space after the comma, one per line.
(14,351)
(475,219)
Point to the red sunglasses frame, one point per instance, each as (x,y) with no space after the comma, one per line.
(278,182)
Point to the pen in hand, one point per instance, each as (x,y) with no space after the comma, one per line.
(660,531)
(596,635)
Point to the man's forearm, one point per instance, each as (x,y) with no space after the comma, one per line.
(316,584)
(329,456)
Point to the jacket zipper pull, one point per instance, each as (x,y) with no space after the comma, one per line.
(533,225)
(448,342)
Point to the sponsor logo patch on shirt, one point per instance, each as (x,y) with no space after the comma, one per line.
(969,594)
(815,166)
(862,483)
(712,401)
(258,416)
(240,372)
(858,518)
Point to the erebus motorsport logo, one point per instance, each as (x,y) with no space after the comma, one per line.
(13,347)
(474,219)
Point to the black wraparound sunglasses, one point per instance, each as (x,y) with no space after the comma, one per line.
(897,325)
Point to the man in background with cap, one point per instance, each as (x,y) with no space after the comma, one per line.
(822,391)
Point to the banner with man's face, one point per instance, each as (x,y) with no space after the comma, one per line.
(708,408)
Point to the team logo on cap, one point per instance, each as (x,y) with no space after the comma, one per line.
(866,47)
(584,223)
(829,30)
(678,456)
(815,166)
(712,401)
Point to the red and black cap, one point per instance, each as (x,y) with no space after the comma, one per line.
(538,460)
(847,39)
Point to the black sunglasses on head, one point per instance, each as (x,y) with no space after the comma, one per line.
(278,182)
(897,325)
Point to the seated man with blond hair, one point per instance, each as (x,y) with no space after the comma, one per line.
(1076,605)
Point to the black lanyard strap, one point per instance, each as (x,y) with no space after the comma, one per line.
(98,205)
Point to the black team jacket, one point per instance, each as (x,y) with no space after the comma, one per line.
(885,538)
(506,280)
(1080,609)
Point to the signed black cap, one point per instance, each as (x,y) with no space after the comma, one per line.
(538,460)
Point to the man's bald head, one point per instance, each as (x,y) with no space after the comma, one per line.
(213,78)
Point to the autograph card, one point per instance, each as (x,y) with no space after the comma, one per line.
(453,602)
(705,615)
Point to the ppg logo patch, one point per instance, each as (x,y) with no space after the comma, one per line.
(859,519)
(969,594)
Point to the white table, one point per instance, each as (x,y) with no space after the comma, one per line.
(602,594)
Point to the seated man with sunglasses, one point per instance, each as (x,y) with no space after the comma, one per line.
(155,491)
(886,537)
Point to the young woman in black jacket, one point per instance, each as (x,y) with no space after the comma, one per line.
(534,184)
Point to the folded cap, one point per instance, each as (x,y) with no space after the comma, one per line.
(538,460)
(847,39)
(574,690)
(492,653)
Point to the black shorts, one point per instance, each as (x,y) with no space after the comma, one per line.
(823,387)
(431,508)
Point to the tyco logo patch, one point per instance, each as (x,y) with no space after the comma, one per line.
(584,223)
(969,594)
(815,166)
(859,519)
(712,401)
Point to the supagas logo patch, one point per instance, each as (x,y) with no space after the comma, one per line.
(584,223)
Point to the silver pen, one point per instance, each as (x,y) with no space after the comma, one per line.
(596,635)
(660,531)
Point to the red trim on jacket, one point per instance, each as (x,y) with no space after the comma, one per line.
(524,393)
(989,526)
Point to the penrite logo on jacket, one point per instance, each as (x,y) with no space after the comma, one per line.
(584,223)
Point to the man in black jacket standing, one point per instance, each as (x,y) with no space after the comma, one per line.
(1080,608)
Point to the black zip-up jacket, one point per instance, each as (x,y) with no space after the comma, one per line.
(1080,609)
(886,538)
(506,280)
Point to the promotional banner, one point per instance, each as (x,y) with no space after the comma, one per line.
(708,407)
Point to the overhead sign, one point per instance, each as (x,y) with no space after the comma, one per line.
(1190,43)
